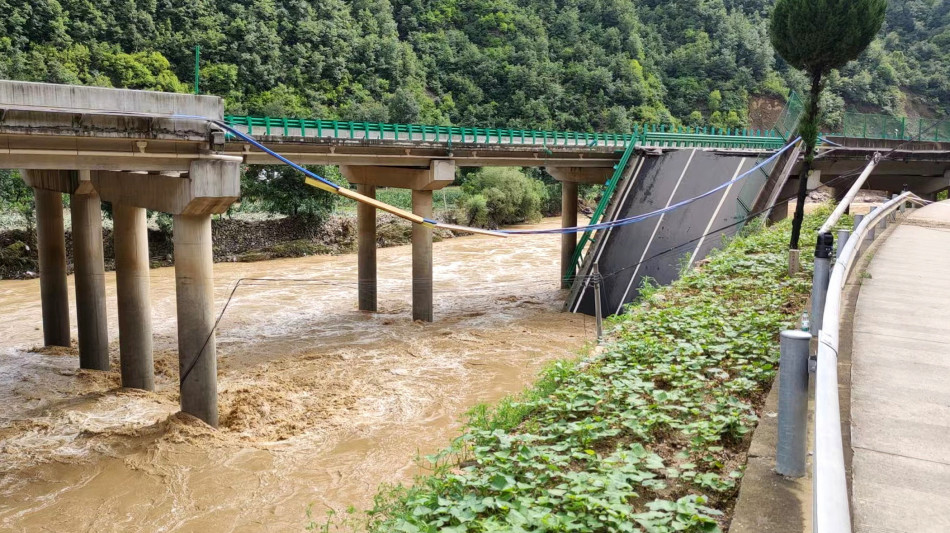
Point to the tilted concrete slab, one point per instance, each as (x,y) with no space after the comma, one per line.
(900,395)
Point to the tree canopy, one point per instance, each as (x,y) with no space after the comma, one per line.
(819,35)
(570,64)
(816,36)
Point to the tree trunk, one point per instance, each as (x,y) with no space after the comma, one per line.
(809,132)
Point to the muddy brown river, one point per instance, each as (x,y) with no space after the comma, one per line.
(319,402)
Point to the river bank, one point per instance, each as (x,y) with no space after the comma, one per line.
(320,403)
(651,432)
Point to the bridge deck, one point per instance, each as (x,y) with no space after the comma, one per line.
(900,403)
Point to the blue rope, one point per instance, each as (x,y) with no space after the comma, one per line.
(243,136)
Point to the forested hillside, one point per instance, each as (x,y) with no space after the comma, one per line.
(579,64)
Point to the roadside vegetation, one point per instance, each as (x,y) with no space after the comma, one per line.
(648,433)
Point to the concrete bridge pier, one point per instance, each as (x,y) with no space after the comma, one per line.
(209,187)
(570,178)
(422,258)
(86,211)
(51,244)
(422,182)
(194,290)
(568,220)
(89,270)
(130,232)
(366,251)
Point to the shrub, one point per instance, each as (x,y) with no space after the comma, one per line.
(497,196)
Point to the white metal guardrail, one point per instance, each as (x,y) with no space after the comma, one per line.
(831,509)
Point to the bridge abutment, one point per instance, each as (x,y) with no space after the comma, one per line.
(51,244)
(130,232)
(366,252)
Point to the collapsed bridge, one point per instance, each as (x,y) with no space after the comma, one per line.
(179,154)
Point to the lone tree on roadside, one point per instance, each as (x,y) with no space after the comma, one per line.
(816,36)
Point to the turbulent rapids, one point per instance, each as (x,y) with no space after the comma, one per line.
(319,403)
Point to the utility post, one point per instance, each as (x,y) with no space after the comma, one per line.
(822,274)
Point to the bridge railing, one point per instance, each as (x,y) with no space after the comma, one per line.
(870,126)
(787,123)
(643,135)
(830,489)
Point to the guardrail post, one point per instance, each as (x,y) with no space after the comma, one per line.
(857,222)
(820,278)
(792,404)
(843,236)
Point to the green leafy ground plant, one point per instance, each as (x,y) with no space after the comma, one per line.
(649,433)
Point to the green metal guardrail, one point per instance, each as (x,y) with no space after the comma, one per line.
(787,122)
(647,135)
(870,126)
(619,169)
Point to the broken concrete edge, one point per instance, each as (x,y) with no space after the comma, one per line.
(51,97)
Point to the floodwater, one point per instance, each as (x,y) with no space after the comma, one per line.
(319,403)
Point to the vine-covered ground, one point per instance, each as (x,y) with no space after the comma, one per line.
(650,433)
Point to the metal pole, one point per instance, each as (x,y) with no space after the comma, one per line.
(843,236)
(792,404)
(197,69)
(819,284)
(597,310)
(859,248)
(849,197)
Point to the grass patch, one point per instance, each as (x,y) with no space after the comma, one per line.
(649,433)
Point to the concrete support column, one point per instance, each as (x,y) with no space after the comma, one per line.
(132,290)
(366,256)
(422,258)
(194,289)
(86,210)
(51,242)
(568,220)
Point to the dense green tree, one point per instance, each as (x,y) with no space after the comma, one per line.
(281,189)
(571,64)
(816,36)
